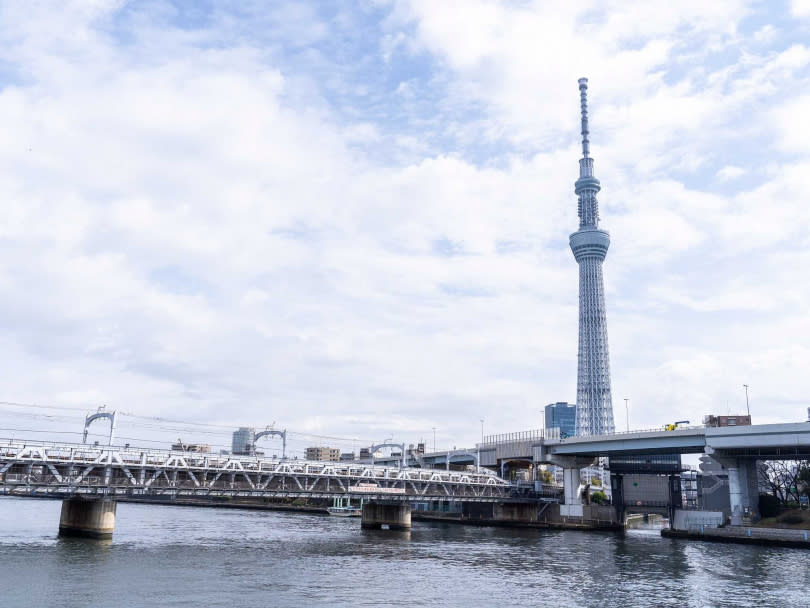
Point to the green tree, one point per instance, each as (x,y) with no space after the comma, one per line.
(598,498)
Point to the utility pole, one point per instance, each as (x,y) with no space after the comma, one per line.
(434,439)
(747,409)
(627,413)
(479,446)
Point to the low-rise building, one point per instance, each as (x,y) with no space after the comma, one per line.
(716,421)
(323,454)
(202,448)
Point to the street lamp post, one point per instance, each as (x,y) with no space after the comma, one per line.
(434,439)
(747,409)
(479,446)
(627,413)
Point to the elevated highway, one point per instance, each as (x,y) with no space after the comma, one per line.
(737,448)
(763,441)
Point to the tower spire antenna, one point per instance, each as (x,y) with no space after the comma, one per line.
(583,102)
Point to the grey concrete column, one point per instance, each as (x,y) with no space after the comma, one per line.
(749,488)
(87,517)
(394,516)
(735,494)
(573,501)
(571,481)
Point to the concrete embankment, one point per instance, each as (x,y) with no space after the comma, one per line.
(524,515)
(745,535)
(560,525)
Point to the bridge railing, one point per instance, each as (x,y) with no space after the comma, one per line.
(619,434)
(553,434)
(531,435)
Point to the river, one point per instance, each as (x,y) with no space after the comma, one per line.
(176,556)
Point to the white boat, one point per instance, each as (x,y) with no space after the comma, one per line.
(345,511)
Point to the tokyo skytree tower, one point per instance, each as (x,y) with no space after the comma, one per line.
(589,245)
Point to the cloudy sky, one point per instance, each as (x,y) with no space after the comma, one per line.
(352,219)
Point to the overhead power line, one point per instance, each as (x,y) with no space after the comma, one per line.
(189,426)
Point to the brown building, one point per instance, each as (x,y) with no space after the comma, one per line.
(741,420)
(202,448)
(323,454)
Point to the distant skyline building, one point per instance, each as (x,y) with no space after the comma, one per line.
(242,440)
(589,245)
(562,415)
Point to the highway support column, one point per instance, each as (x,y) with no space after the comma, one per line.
(617,493)
(87,517)
(396,516)
(573,501)
(735,494)
(571,466)
(742,486)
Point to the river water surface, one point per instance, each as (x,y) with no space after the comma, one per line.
(175,556)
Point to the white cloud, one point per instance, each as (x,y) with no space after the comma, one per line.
(221,223)
(789,119)
(800,8)
(730,172)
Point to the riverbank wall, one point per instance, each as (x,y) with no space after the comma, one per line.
(525,515)
(745,535)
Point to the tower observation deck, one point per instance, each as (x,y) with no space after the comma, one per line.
(589,245)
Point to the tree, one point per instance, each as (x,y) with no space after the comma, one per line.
(769,505)
(598,498)
(786,479)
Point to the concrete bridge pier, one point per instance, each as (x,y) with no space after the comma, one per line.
(617,492)
(87,517)
(573,501)
(735,494)
(571,483)
(743,490)
(742,487)
(397,516)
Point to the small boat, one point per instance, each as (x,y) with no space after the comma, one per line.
(345,511)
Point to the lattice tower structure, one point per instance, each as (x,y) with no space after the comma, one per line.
(589,245)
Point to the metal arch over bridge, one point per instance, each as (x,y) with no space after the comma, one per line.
(64,470)
(272,433)
(100,415)
(380,446)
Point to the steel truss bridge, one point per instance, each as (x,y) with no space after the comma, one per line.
(61,470)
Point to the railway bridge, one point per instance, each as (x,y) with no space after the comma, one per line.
(90,478)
